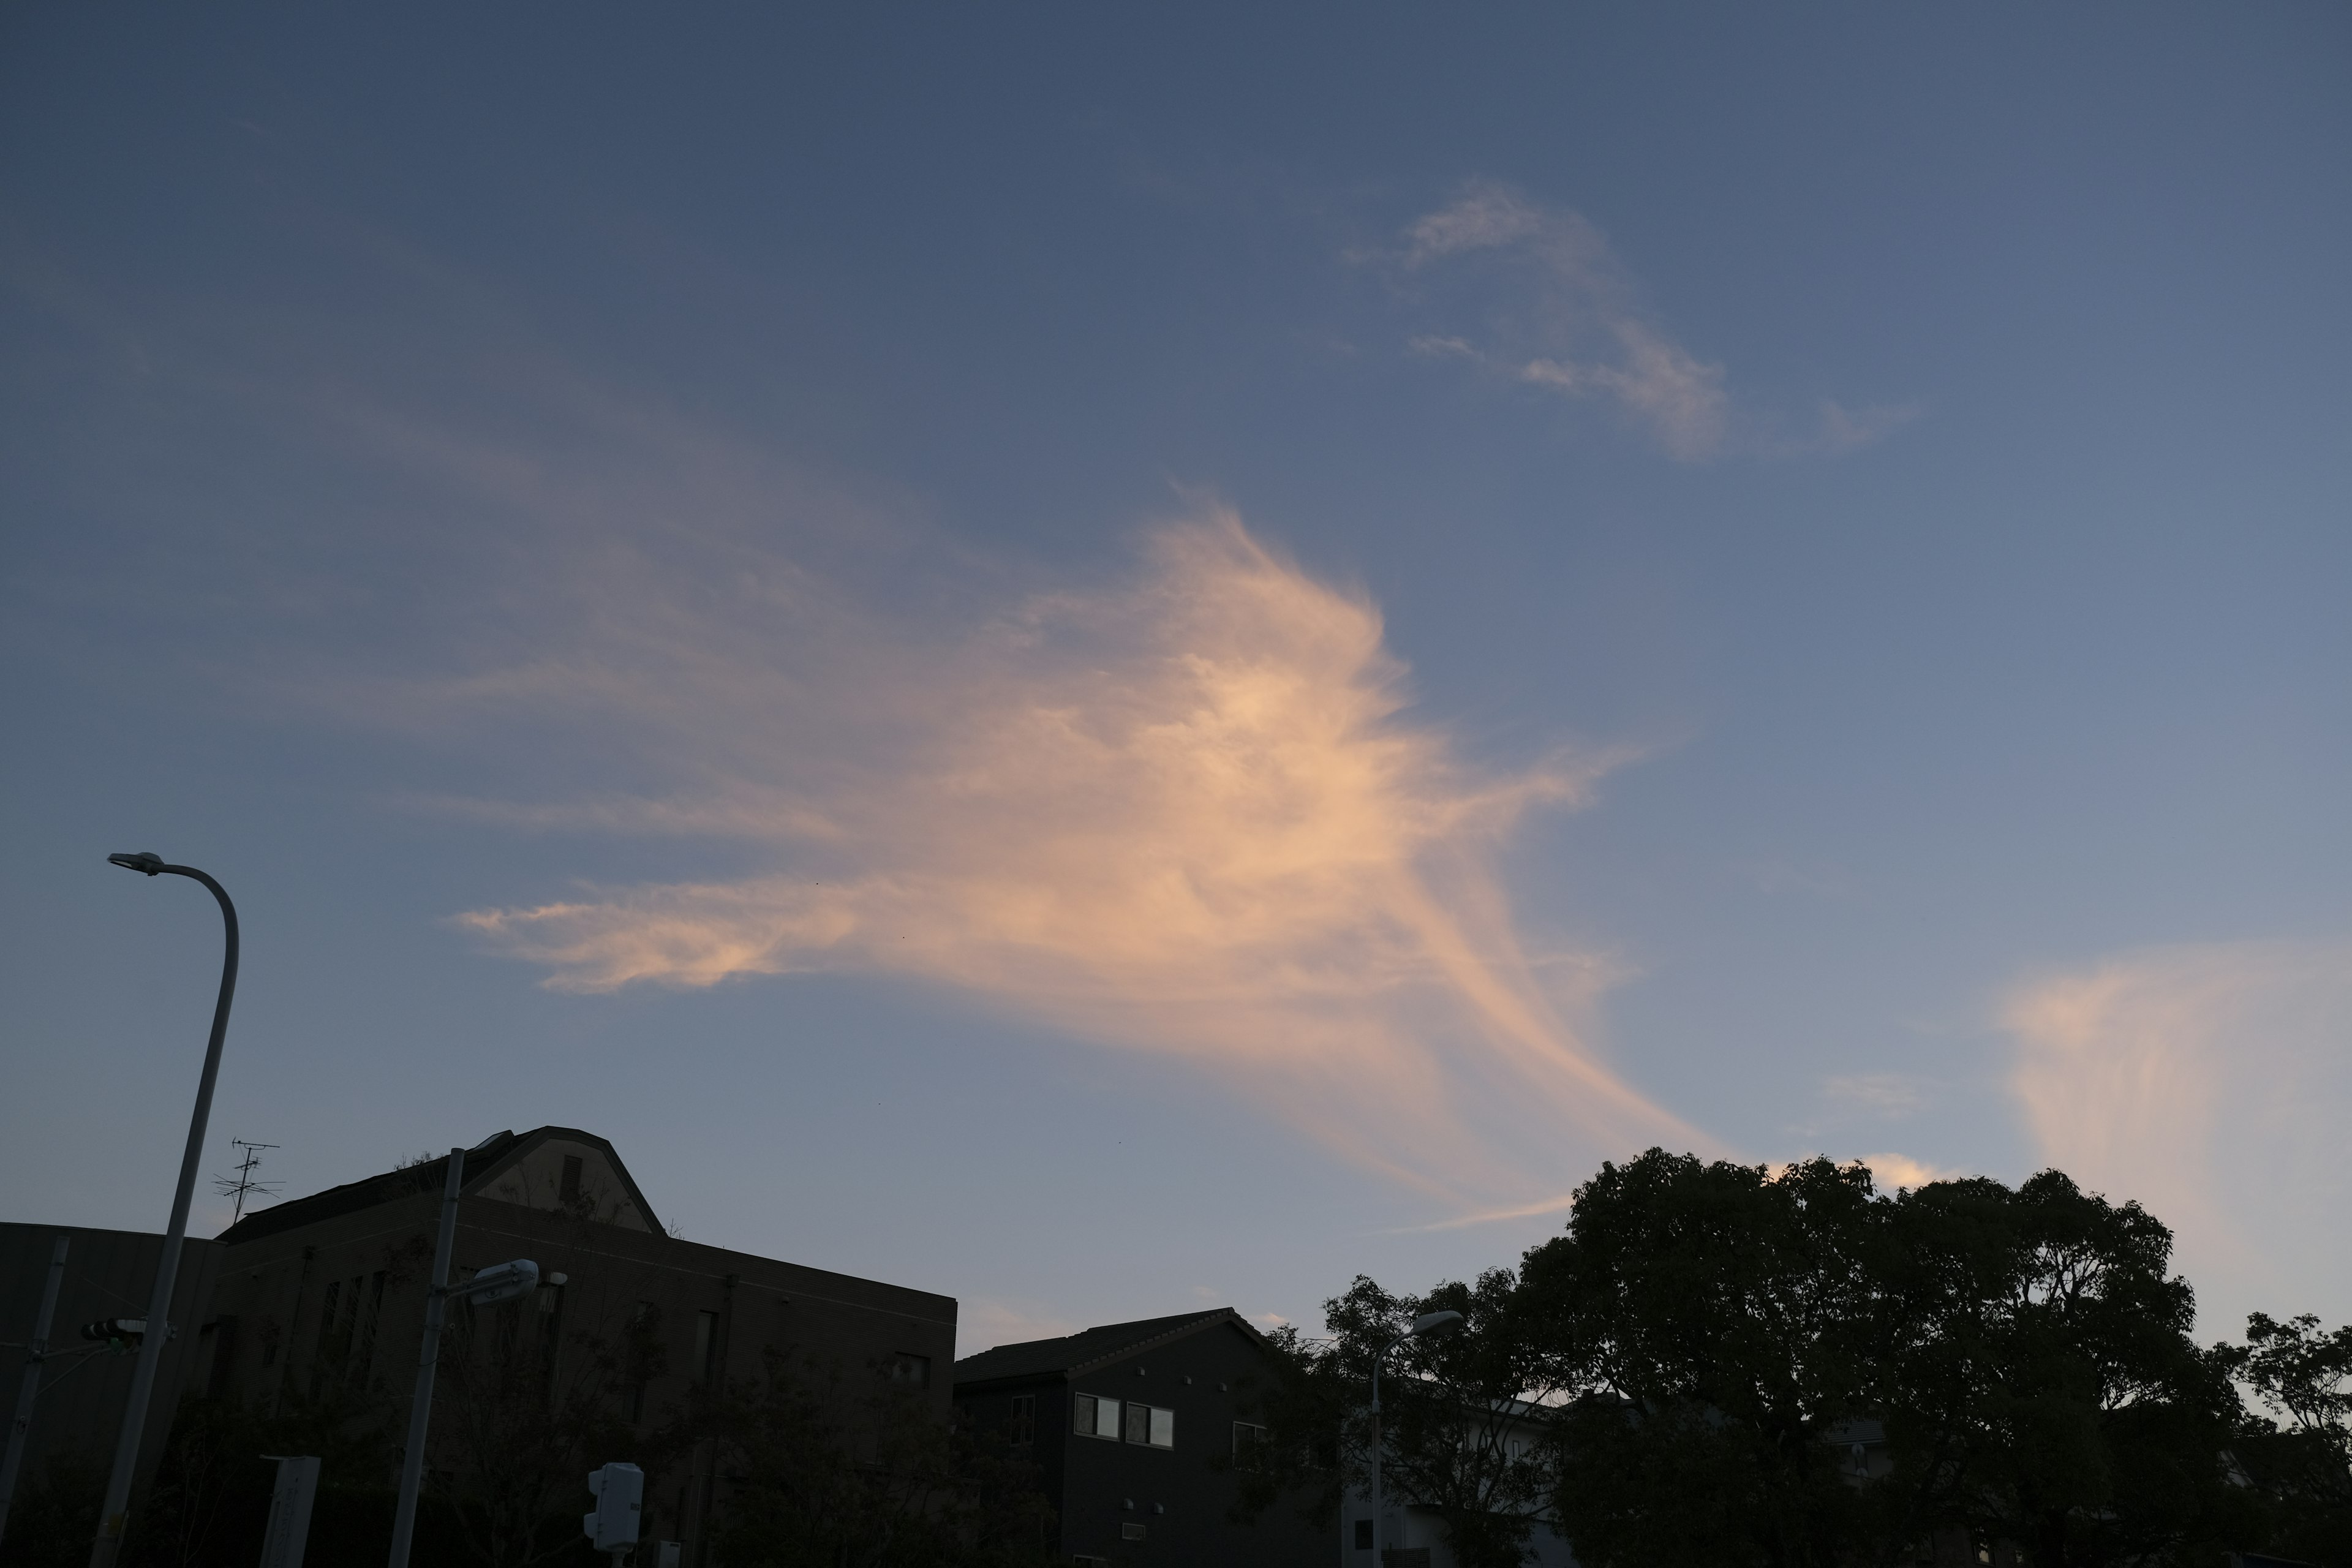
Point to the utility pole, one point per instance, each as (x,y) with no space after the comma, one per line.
(504,1282)
(37,1350)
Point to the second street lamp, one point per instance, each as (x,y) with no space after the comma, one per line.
(114,1514)
(487,1288)
(1426,1326)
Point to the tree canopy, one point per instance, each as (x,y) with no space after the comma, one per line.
(1789,1368)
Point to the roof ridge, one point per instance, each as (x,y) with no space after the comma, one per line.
(1093,1348)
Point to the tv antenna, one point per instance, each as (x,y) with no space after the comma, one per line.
(243,1184)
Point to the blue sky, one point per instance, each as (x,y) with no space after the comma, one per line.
(1113,659)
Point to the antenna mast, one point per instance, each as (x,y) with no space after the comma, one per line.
(243,1183)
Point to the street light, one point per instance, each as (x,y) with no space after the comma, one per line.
(487,1288)
(114,1515)
(1427,1326)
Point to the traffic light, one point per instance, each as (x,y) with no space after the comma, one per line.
(620,1492)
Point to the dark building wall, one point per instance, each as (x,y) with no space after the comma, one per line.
(343,1299)
(1179,1497)
(85,1390)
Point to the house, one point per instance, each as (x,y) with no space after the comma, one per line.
(84,1382)
(1128,1422)
(326,1294)
(1413,1534)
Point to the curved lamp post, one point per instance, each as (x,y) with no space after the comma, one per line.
(1423,1327)
(114,1515)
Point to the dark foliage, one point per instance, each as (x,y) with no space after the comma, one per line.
(1716,1319)
(827,1470)
(1452,1413)
(1787,1369)
(2300,1464)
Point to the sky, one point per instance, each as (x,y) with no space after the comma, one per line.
(1109,659)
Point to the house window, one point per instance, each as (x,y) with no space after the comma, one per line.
(570,1191)
(1023,1427)
(914,1370)
(1130,1532)
(706,1343)
(1247,1437)
(1093,1418)
(1151,1425)
(1363,1536)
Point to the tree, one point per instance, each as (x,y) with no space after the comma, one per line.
(527,1405)
(1459,1417)
(824,1470)
(2039,1387)
(2302,1462)
(1715,1323)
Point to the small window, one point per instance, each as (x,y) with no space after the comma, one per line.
(570,1191)
(1094,1417)
(1363,1536)
(1248,1438)
(706,1343)
(1022,1426)
(914,1370)
(1150,1424)
(1130,1532)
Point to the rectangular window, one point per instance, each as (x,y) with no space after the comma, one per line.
(1151,1425)
(914,1370)
(570,1192)
(706,1343)
(1247,1437)
(1093,1418)
(1022,1426)
(1130,1532)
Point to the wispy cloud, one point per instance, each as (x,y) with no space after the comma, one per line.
(1882,1094)
(2213,1083)
(1189,813)
(1572,324)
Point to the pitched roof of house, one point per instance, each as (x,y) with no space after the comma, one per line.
(1092,1348)
(483,1160)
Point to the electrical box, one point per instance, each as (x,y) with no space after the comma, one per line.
(620,1492)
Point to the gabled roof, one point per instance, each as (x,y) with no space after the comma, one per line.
(1091,1349)
(485,1160)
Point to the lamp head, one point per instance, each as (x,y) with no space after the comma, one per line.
(145,860)
(1430,1323)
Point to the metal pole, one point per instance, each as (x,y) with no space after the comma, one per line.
(37,1350)
(1377,1359)
(428,1359)
(114,1516)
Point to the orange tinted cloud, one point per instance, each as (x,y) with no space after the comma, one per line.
(1189,814)
(2212,1083)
